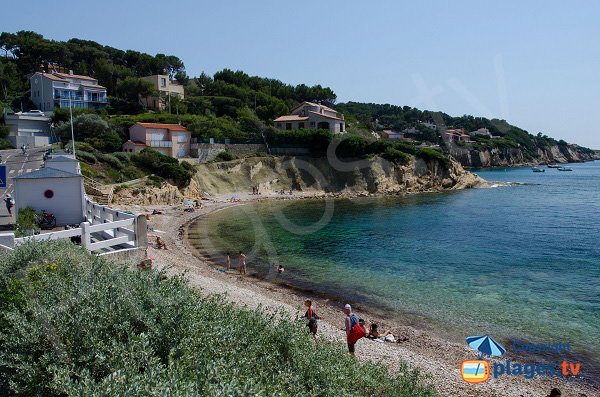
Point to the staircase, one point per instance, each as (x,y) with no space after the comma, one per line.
(101,194)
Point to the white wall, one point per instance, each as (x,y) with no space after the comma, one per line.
(67,204)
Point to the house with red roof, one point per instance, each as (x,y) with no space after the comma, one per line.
(169,139)
(312,115)
(64,90)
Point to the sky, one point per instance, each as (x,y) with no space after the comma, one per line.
(533,63)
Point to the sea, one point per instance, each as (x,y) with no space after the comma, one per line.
(519,261)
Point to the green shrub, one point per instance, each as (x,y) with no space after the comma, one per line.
(155,180)
(124,157)
(87,170)
(164,166)
(395,156)
(432,154)
(27,222)
(72,323)
(224,156)
(85,156)
(111,160)
(132,172)
(317,140)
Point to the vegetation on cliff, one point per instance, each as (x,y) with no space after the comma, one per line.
(72,323)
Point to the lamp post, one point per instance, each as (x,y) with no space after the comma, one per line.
(71,114)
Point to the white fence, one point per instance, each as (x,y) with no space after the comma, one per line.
(106,230)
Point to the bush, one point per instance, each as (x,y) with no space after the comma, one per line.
(432,154)
(224,156)
(72,323)
(27,222)
(165,166)
(111,160)
(85,156)
(124,157)
(317,140)
(155,180)
(395,156)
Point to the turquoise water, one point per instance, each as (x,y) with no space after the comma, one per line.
(511,261)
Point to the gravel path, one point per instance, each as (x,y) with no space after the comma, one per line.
(438,358)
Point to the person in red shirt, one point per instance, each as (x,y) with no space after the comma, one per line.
(356,332)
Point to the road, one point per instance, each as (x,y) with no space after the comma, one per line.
(17,163)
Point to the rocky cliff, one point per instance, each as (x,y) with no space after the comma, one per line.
(316,175)
(503,157)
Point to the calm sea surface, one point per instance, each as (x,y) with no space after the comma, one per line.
(511,261)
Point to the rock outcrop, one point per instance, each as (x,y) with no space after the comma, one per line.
(317,175)
(507,156)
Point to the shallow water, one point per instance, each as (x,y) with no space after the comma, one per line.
(515,262)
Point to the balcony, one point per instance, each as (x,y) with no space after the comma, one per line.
(159,143)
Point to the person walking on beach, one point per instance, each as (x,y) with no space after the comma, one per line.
(312,317)
(358,331)
(9,203)
(242,263)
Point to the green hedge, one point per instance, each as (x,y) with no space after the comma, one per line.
(72,323)
(224,156)
(164,166)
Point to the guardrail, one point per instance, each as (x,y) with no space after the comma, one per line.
(105,229)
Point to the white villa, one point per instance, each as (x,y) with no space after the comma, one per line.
(64,90)
(312,115)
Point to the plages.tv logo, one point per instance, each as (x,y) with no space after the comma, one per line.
(478,371)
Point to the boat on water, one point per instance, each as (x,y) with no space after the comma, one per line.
(565,169)
(554,165)
(537,169)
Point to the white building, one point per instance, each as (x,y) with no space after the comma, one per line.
(429,124)
(57,188)
(312,115)
(50,90)
(391,135)
(481,132)
(32,128)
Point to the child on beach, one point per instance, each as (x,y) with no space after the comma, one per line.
(242,263)
(312,317)
(227,261)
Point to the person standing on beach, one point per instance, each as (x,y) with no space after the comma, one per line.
(228,261)
(242,263)
(312,317)
(350,322)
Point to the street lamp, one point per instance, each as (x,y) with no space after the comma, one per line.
(71,114)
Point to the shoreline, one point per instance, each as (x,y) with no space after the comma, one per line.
(425,349)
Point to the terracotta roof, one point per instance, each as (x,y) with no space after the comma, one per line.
(50,76)
(74,76)
(170,127)
(291,117)
(390,132)
(136,143)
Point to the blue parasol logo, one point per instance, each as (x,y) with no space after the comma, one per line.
(486,346)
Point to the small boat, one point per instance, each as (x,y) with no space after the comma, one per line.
(554,166)
(537,169)
(565,169)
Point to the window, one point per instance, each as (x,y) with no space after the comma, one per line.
(341,127)
(163,82)
(300,125)
(288,126)
(312,124)
(278,125)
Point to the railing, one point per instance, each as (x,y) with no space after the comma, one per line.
(105,229)
(159,143)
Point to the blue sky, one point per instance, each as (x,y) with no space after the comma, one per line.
(535,63)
